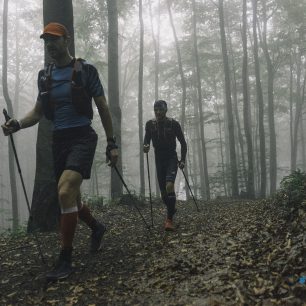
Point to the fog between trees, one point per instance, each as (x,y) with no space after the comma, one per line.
(187,54)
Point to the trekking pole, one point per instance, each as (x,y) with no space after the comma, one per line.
(128,191)
(148,167)
(195,202)
(7,118)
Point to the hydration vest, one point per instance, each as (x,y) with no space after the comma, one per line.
(81,101)
(166,133)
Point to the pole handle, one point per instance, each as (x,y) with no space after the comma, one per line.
(6,116)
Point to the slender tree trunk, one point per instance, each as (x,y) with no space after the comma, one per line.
(291,113)
(221,151)
(156,42)
(8,101)
(229,108)
(183,82)
(198,74)
(302,124)
(263,175)
(298,109)
(140,111)
(270,69)
(246,106)
(303,143)
(45,208)
(238,130)
(198,146)
(195,164)
(113,90)
(17,65)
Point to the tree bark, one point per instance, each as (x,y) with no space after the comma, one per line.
(270,70)
(183,82)
(199,88)
(140,96)
(298,109)
(45,207)
(113,90)
(263,175)
(15,213)
(246,106)
(291,113)
(156,42)
(229,108)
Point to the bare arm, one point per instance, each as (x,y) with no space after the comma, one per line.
(30,119)
(111,150)
(104,115)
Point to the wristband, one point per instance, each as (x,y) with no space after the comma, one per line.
(111,139)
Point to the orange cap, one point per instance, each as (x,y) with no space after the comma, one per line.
(56,29)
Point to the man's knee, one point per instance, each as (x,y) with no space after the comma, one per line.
(170,187)
(67,195)
(64,191)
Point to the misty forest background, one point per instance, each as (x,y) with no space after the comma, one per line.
(233,73)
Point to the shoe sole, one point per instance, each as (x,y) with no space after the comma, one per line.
(169,229)
(54,279)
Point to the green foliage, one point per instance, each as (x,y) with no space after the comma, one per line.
(292,189)
(21,231)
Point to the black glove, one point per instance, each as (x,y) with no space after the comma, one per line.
(11,126)
(181,164)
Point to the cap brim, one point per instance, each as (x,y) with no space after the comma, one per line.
(50,33)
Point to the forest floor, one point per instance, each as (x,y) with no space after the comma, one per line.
(233,252)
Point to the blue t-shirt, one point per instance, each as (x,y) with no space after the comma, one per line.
(65,114)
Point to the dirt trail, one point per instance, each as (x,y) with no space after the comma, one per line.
(230,253)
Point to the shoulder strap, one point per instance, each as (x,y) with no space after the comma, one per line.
(77,68)
(47,75)
(48,69)
(153,125)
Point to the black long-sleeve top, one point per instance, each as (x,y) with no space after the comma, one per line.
(163,135)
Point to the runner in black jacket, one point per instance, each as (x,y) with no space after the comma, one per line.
(163,132)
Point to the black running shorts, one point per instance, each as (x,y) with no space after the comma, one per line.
(166,168)
(74,149)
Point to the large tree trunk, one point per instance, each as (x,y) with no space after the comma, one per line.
(45,208)
(113,90)
(270,69)
(11,113)
(183,82)
(198,75)
(229,108)
(263,175)
(140,95)
(246,106)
